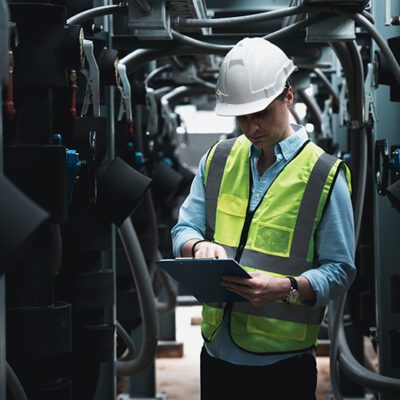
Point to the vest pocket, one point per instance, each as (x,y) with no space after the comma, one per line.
(231,212)
(272,239)
(212,315)
(275,328)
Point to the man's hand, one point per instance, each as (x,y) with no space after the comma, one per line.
(209,250)
(203,249)
(260,289)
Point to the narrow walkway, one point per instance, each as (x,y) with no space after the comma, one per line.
(179,377)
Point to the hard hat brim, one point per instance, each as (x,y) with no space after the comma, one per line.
(236,110)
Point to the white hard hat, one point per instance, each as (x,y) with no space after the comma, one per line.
(251,76)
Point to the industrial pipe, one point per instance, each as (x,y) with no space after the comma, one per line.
(148,310)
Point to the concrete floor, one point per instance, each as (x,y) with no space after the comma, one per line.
(179,378)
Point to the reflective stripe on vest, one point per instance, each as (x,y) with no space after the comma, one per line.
(213,183)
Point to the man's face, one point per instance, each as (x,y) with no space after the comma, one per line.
(269,126)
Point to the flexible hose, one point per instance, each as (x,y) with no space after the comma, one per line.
(130,346)
(148,310)
(329,86)
(14,384)
(87,15)
(234,21)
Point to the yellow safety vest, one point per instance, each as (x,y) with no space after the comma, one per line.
(276,239)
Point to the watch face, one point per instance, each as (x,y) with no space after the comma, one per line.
(293,296)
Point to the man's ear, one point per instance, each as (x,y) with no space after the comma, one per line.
(289,97)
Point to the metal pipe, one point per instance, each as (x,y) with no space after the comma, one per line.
(87,15)
(15,385)
(234,21)
(148,310)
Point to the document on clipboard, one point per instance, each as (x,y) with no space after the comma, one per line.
(202,277)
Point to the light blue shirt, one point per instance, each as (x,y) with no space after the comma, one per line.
(334,241)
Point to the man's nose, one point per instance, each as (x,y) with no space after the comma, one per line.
(253,124)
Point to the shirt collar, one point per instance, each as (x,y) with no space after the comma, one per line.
(287,147)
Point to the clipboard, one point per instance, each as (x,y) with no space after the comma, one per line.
(202,277)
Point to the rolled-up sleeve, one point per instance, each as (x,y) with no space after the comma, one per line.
(192,219)
(335,247)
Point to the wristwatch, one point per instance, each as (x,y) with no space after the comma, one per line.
(293,294)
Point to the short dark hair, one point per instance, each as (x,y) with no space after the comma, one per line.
(282,96)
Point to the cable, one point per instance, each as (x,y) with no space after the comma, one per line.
(14,384)
(148,310)
(234,21)
(87,15)
(125,337)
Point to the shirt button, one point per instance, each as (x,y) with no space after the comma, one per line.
(257,196)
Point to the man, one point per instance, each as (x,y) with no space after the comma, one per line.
(281,207)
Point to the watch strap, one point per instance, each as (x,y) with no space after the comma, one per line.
(293,283)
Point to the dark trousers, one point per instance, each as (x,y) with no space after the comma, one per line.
(294,378)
